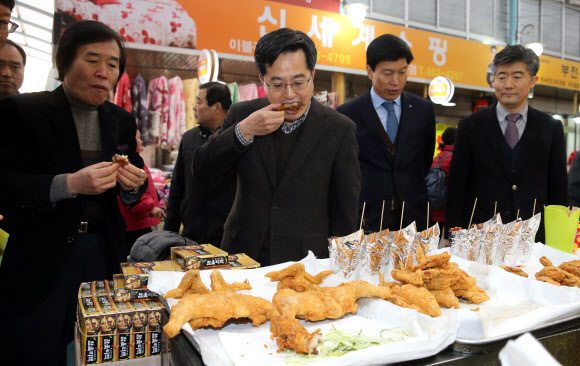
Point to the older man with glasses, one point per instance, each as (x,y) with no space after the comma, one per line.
(6,26)
(296,160)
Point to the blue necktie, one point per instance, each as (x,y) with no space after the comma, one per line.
(392,122)
(511,132)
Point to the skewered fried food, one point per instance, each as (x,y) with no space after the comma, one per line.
(439,279)
(439,260)
(290,334)
(559,275)
(191,283)
(547,280)
(219,284)
(216,308)
(515,270)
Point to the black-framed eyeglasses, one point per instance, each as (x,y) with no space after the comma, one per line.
(7,26)
(295,85)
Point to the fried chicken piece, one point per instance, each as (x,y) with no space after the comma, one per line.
(438,260)
(547,279)
(326,302)
(546,262)
(560,276)
(295,277)
(464,282)
(439,279)
(473,294)
(216,308)
(405,276)
(219,284)
(399,301)
(290,334)
(446,298)
(190,284)
(515,270)
(572,267)
(419,296)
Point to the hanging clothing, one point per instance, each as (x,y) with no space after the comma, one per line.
(190,89)
(158,102)
(123,93)
(176,119)
(233,91)
(139,98)
(247,92)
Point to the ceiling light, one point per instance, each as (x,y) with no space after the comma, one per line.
(537,47)
(356,11)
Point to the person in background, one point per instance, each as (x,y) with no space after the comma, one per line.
(60,203)
(201,206)
(574,181)
(6,26)
(510,153)
(444,161)
(489,74)
(396,137)
(145,214)
(12,62)
(298,174)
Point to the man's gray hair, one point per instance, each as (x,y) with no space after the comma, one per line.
(517,53)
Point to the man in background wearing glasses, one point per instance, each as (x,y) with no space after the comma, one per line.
(6,26)
(298,173)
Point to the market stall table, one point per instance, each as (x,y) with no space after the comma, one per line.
(554,322)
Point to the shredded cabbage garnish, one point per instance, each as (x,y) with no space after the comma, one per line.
(338,342)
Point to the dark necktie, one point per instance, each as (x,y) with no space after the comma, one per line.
(511,132)
(392,122)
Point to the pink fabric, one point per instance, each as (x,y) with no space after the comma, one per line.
(261,91)
(123,93)
(152,22)
(176,120)
(158,101)
(247,92)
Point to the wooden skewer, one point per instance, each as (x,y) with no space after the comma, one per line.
(495,208)
(534,210)
(402,212)
(362,215)
(427,215)
(472,211)
(518,214)
(382,212)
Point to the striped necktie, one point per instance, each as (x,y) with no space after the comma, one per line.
(392,122)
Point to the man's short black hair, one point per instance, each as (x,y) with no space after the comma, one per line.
(282,41)
(387,48)
(516,53)
(82,33)
(217,92)
(18,48)
(8,3)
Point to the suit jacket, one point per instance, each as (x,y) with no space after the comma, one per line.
(316,197)
(202,206)
(39,141)
(385,176)
(481,167)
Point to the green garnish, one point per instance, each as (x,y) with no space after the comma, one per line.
(338,342)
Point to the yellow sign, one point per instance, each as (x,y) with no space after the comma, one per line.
(236,26)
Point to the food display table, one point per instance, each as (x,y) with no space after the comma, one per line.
(517,305)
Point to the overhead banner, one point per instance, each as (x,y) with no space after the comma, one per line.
(234,27)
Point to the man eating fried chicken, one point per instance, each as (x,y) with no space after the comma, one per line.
(298,172)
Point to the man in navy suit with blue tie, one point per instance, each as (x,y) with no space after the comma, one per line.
(396,138)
